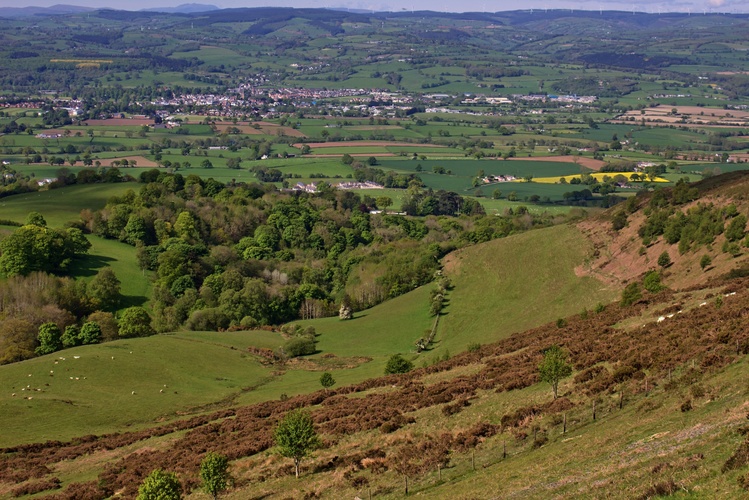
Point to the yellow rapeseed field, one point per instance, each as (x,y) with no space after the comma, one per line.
(598,175)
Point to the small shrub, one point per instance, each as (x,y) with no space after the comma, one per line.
(686,406)
(541,439)
(649,405)
(398,364)
(664,260)
(732,248)
(599,308)
(631,294)
(652,282)
(697,391)
(474,347)
(561,323)
(660,490)
(705,261)
(299,346)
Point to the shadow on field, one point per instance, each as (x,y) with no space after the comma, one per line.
(132,300)
(89,265)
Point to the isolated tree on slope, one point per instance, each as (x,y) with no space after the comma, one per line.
(296,437)
(214,472)
(554,367)
(160,485)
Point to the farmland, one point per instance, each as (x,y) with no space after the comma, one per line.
(204,212)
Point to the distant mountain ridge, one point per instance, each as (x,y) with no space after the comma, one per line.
(43,11)
(185,8)
(61,9)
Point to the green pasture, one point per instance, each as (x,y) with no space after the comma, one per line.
(126,384)
(194,370)
(499,206)
(524,190)
(135,284)
(59,206)
(512,284)
(654,136)
(428,150)
(377,333)
(215,56)
(330,167)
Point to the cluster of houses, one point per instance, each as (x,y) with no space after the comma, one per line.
(312,187)
(493,179)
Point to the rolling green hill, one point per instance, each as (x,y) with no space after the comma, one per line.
(353,350)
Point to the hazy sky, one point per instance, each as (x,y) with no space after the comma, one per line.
(652,6)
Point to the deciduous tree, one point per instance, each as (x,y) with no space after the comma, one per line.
(296,437)
(327,380)
(135,322)
(104,289)
(50,339)
(214,472)
(554,367)
(160,485)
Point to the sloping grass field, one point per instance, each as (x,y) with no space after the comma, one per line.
(119,385)
(512,284)
(59,206)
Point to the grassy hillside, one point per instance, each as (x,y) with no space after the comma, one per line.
(92,387)
(670,411)
(507,286)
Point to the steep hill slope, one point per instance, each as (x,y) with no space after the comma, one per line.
(621,255)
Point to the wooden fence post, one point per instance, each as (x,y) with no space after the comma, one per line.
(564,427)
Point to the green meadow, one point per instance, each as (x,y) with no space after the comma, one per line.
(59,206)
